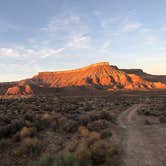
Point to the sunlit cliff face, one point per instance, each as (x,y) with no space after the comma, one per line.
(101,74)
(96,75)
(18,90)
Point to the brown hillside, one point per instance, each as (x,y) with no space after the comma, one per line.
(146,76)
(99,75)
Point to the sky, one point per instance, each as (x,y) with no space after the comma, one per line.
(49,35)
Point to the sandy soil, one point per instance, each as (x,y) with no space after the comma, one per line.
(142,145)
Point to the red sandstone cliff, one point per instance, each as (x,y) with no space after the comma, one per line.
(101,74)
(19,90)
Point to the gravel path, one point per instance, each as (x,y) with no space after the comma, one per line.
(142,145)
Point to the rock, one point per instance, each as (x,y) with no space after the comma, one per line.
(19,90)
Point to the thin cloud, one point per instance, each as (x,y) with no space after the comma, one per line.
(22,52)
(9,52)
(67,22)
(108,22)
(50,52)
(80,41)
(151,39)
(128,27)
(107,46)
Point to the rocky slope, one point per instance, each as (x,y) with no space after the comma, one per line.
(19,90)
(146,76)
(99,76)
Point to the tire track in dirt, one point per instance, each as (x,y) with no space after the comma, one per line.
(141,145)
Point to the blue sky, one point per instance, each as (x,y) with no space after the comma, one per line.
(46,35)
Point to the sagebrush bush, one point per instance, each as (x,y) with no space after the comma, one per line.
(99,153)
(66,159)
(73,144)
(29,146)
(83,145)
(10,129)
(84,119)
(163,119)
(106,133)
(93,137)
(47,117)
(28,132)
(4,144)
(83,131)
(103,153)
(84,157)
(98,125)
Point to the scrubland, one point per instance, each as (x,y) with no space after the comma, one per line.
(57,131)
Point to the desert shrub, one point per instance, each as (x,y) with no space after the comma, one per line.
(66,159)
(29,116)
(83,131)
(84,157)
(44,121)
(84,119)
(147,112)
(73,126)
(73,144)
(100,115)
(92,137)
(105,115)
(83,145)
(29,147)
(98,153)
(62,124)
(98,125)
(15,126)
(4,144)
(10,129)
(163,119)
(103,153)
(112,150)
(39,124)
(47,117)
(28,132)
(4,131)
(106,133)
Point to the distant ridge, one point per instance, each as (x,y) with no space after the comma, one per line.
(98,74)
(146,76)
(95,76)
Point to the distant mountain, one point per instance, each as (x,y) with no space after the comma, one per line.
(146,76)
(96,76)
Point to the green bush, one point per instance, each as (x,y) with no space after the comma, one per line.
(67,159)
(29,147)
(103,153)
(84,157)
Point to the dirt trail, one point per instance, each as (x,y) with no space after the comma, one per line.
(142,145)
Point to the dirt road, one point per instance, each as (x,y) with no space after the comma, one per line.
(142,145)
